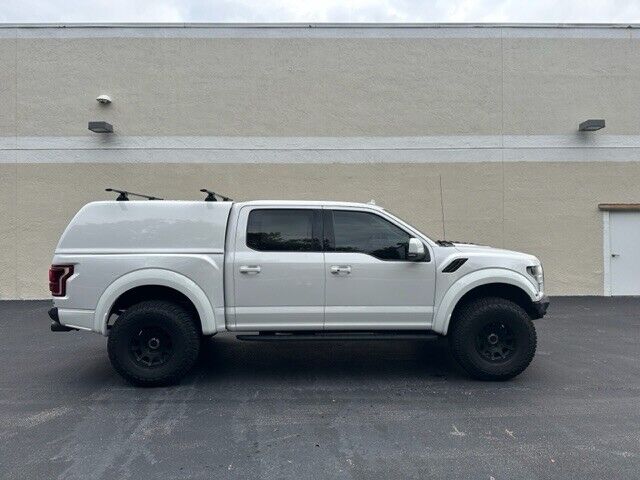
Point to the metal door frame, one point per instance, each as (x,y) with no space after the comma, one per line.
(606,242)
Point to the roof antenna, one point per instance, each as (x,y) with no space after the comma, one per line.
(211,196)
(124,195)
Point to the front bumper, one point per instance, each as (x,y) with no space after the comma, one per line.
(539,308)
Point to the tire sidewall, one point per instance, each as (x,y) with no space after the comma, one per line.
(174,321)
(471,323)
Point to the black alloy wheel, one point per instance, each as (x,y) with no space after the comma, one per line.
(496,342)
(151,347)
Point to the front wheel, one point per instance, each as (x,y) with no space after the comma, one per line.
(154,343)
(493,339)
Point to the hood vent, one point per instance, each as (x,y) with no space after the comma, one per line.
(454,265)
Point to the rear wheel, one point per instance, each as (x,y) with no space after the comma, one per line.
(154,343)
(493,339)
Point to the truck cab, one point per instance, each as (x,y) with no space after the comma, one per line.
(158,276)
(326,266)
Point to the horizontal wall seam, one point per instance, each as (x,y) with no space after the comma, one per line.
(266,25)
(255,150)
(314,149)
(115,142)
(320,156)
(320,31)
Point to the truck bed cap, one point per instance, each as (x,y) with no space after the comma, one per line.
(147,226)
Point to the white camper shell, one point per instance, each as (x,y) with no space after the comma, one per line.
(147,227)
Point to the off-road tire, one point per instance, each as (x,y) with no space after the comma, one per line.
(174,325)
(469,345)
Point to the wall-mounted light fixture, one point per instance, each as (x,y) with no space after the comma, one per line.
(100,127)
(591,125)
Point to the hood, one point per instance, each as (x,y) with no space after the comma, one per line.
(471,248)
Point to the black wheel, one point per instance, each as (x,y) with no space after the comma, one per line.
(493,339)
(154,343)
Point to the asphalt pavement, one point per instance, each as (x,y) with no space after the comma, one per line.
(346,410)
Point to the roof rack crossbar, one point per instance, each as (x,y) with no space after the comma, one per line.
(124,195)
(211,196)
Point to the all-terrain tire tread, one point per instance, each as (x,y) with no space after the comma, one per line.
(188,355)
(462,327)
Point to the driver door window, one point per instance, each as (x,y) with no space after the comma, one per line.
(368,233)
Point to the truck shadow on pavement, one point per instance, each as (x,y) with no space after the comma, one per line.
(225,358)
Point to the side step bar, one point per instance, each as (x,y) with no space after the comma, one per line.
(333,336)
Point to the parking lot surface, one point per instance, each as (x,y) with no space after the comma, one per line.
(398,409)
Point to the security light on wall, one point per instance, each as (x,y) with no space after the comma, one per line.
(100,127)
(104,99)
(591,125)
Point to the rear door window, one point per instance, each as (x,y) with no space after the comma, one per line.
(284,230)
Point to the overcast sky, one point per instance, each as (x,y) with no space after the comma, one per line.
(578,11)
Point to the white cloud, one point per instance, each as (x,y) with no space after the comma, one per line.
(557,11)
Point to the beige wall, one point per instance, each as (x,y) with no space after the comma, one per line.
(467,133)
(320,86)
(558,221)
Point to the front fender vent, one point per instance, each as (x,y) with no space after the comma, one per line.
(454,265)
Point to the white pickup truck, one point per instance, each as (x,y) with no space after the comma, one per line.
(157,277)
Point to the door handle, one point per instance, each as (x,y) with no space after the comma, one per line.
(254,269)
(614,255)
(338,269)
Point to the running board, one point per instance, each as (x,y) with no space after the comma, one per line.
(333,336)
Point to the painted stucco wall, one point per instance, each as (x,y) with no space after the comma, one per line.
(469,133)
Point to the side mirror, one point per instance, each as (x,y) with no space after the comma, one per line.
(416,252)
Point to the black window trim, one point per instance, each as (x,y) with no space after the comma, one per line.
(329,240)
(328,237)
(317,231)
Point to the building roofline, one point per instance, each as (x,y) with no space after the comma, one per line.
(326,25)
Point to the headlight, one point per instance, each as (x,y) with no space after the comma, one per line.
(536,272)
